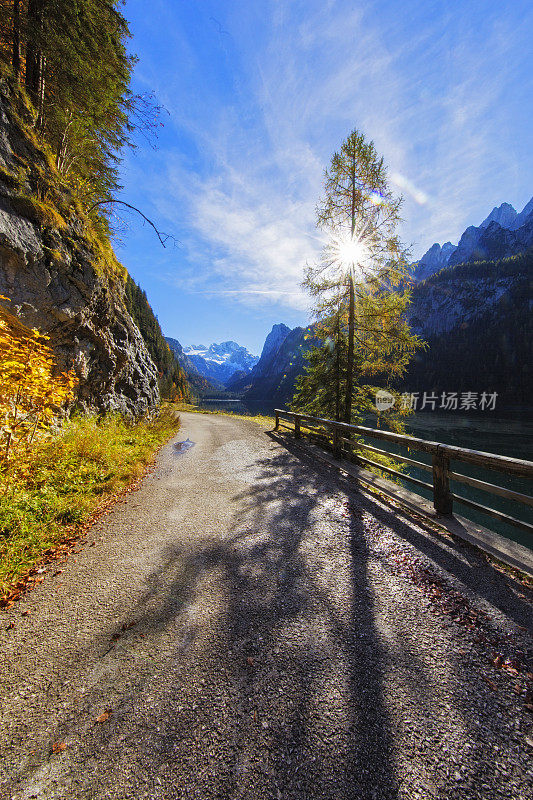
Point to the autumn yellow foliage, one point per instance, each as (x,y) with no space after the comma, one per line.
(31,391)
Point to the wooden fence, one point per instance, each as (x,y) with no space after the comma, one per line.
(341,435)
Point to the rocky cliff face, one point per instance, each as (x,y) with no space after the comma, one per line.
(492,241)
(433,260)
(504,233)
(62,278)
(282,360)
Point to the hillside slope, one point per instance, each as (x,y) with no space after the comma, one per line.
(477,319)
(173,383)
(282,360)
(59,271)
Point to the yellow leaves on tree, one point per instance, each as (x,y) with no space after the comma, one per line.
(31,394)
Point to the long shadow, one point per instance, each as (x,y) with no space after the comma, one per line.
(284,695)
(460,559)
(295,635)
(300,710)
(480,705)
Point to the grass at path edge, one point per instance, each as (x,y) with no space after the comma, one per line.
(50,493)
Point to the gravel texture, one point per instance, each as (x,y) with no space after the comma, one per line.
(248,624)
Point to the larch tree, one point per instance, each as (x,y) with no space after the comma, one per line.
(359,287)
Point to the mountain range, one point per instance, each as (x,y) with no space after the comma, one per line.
(471,302)
(217,363)
(504,233)
(282,359)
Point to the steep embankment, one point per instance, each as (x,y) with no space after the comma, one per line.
(477,321)
(59,271)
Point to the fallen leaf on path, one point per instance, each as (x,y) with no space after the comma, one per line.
(103,716)
(10,626)
(491,684)
(250,661)
(25,613)
(57,746)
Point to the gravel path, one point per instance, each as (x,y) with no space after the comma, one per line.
(250,625)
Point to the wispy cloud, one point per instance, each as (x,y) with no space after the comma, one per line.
(290,84)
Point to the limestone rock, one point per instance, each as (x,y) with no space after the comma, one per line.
(55,279)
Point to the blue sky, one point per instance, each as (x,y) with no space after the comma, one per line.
(260,94)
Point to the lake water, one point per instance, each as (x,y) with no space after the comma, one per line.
(508,433)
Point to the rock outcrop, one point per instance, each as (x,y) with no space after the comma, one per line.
(282,359)
(62,277)
(504,233)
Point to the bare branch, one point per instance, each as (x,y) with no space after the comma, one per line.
(159,234)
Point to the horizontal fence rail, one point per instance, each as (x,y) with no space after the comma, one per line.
(342,439)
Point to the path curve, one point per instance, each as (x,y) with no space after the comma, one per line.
(250,625)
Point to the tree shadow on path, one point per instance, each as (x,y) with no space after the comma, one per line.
(299,712)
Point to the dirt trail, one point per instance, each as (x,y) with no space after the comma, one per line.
(250,625)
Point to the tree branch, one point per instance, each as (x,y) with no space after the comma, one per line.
(159,234)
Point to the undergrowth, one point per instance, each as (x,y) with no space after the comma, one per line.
(63,479)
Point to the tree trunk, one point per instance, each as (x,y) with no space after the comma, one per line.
(351,316)
(35,59)
(350,359)
(338,371)
(16,41)
(40,90)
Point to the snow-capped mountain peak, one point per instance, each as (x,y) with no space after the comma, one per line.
(220,361)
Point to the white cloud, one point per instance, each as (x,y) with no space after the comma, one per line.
(430,100)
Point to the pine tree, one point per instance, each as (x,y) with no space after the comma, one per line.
(173,384)
(72,57)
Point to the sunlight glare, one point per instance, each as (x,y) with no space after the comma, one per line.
(350,251)
(376,199)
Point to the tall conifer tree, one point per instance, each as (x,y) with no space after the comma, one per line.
(359,288)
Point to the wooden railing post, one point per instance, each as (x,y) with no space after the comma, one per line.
(442,498)
(337,449)
(297,433)
(276,427)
